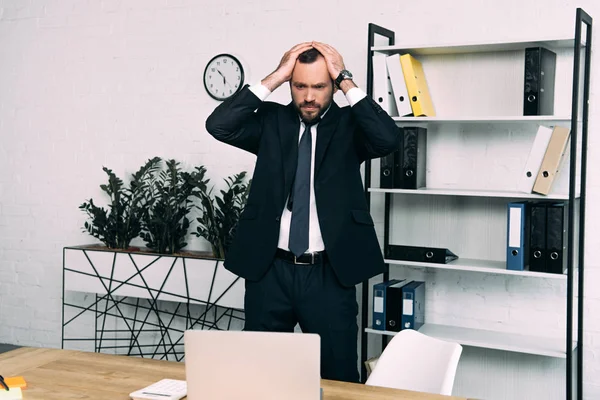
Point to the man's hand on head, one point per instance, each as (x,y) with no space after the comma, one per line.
(334,60)
(335,64)
(283,73)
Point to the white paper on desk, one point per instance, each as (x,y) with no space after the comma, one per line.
(12,394)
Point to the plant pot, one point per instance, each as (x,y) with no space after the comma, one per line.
(190,276)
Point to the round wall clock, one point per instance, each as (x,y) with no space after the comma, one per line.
(223,76)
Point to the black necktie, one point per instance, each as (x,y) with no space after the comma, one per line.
(300,195)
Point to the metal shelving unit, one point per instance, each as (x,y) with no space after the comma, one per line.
(570,350)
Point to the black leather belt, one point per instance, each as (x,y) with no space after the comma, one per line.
(305,259)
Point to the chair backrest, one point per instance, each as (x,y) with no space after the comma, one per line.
(414,361)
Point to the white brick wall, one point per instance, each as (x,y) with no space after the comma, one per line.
(86,84)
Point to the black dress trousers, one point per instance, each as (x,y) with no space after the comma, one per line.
(311,296)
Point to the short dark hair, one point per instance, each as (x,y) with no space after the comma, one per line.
(309,56)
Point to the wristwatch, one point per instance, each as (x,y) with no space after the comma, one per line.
(344,74)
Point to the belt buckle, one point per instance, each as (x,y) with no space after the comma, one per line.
(312,256)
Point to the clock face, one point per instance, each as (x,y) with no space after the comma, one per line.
(223,76)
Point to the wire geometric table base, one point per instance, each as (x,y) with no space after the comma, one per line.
(143,303)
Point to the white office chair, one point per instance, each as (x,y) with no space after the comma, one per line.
(414,361)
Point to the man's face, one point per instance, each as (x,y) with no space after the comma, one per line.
(312,89)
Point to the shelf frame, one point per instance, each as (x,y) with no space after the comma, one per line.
(581,18)
(373,31)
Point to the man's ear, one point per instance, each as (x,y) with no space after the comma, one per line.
(335,88)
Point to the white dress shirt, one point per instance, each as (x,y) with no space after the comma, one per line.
(315,240)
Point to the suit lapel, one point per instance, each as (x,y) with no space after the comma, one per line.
(289,130)
(325,131)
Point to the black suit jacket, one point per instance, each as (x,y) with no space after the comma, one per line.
(345,138)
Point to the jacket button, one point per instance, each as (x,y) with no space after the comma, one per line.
(277,218)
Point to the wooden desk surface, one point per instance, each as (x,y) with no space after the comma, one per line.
(54,374)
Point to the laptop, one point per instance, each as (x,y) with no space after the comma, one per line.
(245,365)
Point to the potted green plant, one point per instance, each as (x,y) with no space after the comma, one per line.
(121,222)
(168,201)
(156,207)
(220,214)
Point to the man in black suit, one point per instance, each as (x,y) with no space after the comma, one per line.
(306,237)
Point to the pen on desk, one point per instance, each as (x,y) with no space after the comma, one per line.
(3,383)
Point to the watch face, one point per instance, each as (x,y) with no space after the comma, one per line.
(223,76)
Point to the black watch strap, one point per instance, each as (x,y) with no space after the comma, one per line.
(344,74)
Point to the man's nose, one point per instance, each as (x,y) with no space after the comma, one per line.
(310,96)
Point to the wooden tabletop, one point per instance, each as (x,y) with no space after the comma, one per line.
(54,374)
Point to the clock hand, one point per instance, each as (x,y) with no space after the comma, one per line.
(224,81)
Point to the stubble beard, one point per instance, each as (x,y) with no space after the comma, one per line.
(311,114)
